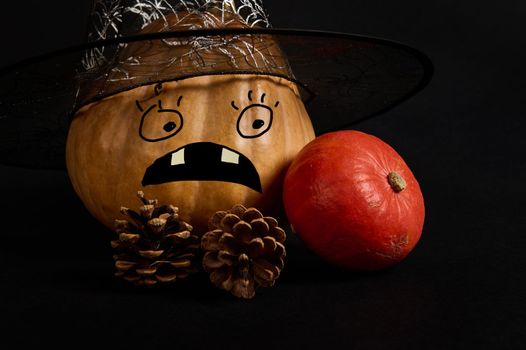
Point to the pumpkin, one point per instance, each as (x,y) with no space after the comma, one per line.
(203,144)
(354,201)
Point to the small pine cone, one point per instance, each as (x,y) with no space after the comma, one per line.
(153,245)
(243,250)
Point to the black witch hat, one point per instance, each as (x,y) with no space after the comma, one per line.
(344,78)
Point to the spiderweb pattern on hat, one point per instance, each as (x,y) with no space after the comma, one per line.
(109,70)
(116,18)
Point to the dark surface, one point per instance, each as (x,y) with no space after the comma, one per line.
(463,286)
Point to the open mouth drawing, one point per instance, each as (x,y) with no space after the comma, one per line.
(203,161)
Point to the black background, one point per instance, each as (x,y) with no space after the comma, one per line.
(463,286)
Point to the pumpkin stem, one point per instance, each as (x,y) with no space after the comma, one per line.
(397,182)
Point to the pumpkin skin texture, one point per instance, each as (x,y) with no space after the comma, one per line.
(353,201)
(112,143)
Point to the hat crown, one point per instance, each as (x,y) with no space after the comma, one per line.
(110,19)
(115,18)
(112,67)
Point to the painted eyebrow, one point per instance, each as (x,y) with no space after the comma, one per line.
(138,104)
(179,101)
(234,106)
(250,95)
(158,88)
(263,98)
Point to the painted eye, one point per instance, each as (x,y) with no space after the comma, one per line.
(255,121)
(160,124)
(258,124)
(170,126)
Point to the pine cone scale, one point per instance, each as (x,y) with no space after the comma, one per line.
(151,254)
(280,250)
(242,230)
(166,279)
(146,271)
(226,258)
(272,223)
(255,247)
(137,218)
(221,275)
(264,274)
(266,265)
(251,214)
(146,211)
(124,265)
(179,235)
(210,241)
(238,210)
(211,262)
(260,226)
(270,244)
(216,219)
(228,283)
(149,282)
(278,233)
(244,288)
(156,225)
(165,211)
(181,263)
(229,243)
(132,278)
(129,238)
(188,256)
(228,222)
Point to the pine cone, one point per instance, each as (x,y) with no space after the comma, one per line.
(243,250)
(154,246)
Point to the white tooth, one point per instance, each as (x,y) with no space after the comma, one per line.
(178,157)
(228,156)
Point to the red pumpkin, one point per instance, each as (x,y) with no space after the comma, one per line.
(353,200)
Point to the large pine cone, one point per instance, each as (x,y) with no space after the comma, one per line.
(154,246)
(243,250)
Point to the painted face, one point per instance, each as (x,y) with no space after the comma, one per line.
(202,144)
(205,161)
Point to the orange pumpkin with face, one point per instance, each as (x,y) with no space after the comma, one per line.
(203,144)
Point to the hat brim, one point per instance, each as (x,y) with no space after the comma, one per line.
(349,78)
